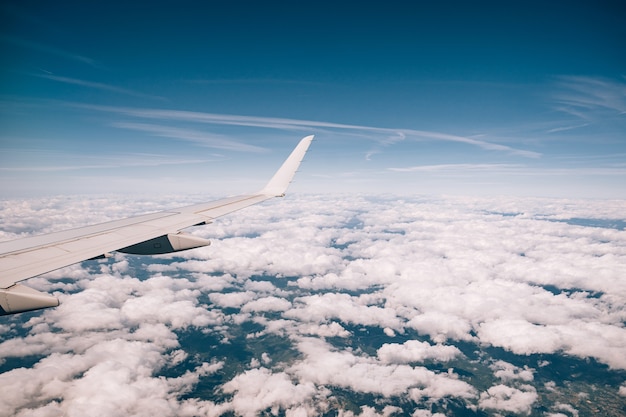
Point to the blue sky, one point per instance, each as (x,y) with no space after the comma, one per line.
(485,98)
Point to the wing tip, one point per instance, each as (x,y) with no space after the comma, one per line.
(277,186)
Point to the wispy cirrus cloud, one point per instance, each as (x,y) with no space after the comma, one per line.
(590,98)
(97,85)
(190,135)
(517,169)
(108,162)
(458,167)
(382,135)
(49,50)
(566,128)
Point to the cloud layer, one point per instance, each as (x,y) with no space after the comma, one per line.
(315,304)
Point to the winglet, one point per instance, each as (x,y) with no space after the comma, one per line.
(281,179)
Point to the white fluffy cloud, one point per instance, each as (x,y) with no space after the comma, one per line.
(509,372)
(258,389)
(349,309)
(325,366)
(267,304)
(505,398)
(337,292)
(416,351)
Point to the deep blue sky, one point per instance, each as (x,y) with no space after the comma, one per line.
(518,98)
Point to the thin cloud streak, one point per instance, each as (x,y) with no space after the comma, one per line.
(137,160)
(49,50)
(588,97)
(391,135)
(189,135)
(255,81)
(457,167)
(566,128)
(516,169)
(96,85)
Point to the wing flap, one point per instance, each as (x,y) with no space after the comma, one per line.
(35,242)
(17,266)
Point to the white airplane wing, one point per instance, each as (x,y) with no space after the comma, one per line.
(149,234)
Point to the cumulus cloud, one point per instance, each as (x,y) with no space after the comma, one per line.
(416,351)
(349,309)
(509,372)
(406,302)
(502,397)
(232,299)
(367,411)
(98,376)
(258,389)
(267,304)
(325,366)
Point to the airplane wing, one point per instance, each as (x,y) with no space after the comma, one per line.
(149,234)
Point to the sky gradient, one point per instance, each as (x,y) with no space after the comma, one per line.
(521,99)
(494,285)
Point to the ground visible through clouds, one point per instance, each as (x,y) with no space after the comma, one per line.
(331,305)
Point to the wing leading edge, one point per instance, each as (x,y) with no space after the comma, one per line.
(148,234)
